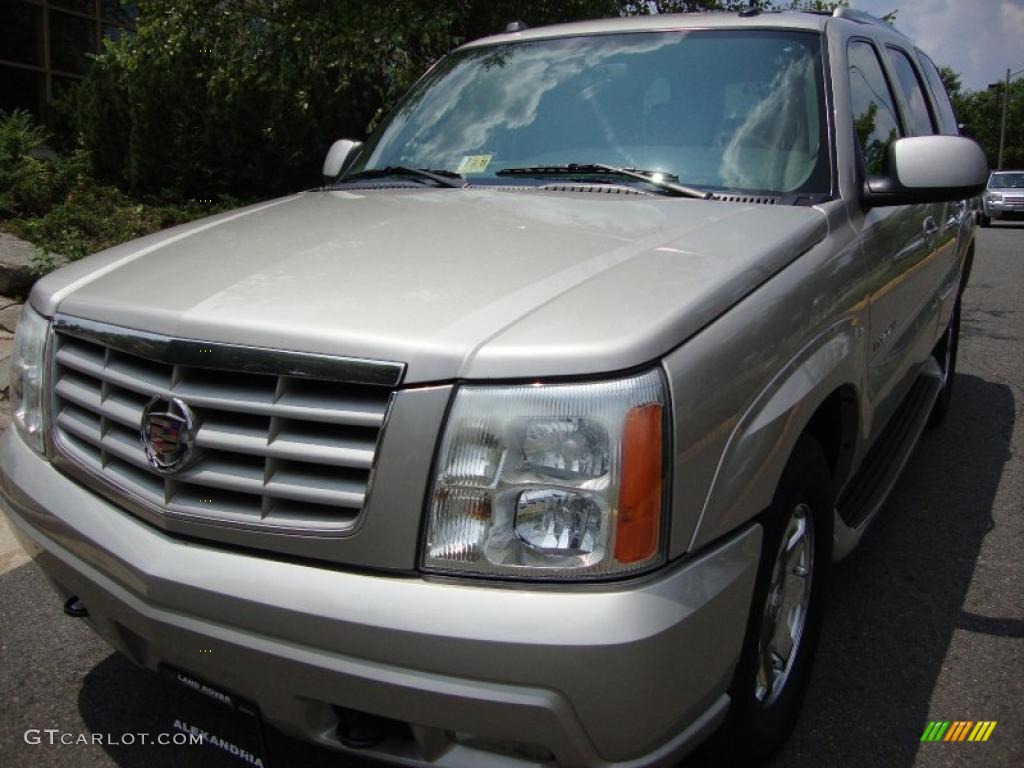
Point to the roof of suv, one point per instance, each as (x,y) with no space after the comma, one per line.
(664,22)
(802,20)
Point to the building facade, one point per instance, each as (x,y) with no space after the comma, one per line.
(44,45)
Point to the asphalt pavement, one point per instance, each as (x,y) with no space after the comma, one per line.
(925,620)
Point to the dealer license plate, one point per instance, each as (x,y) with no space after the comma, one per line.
(213,720)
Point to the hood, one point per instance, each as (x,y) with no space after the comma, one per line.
(477,283)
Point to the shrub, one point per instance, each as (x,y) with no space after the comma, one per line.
(30,181)
(245,96)
(54,203)
(94,217)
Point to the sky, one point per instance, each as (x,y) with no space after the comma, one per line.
(977,38)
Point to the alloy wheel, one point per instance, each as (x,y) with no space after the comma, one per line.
(786,606)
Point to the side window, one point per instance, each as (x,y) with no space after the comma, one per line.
(947,118)
(874,112)
(920,118)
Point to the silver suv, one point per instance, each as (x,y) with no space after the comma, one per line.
(1004,197)
(531,436)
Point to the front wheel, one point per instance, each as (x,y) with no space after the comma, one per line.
(945,353)
(986,221)
(785,618)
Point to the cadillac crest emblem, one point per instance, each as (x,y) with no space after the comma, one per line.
(168,434)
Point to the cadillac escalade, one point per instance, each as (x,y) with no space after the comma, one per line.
(531,435)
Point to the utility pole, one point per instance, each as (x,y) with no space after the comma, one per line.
(1002,127)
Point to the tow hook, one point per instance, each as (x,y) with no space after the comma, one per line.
(75,608)
(361,730)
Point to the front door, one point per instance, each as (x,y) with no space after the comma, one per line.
(902,247)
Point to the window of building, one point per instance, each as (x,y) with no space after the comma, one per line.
(119,13)
(82,6)
(45,42)
(71,38)
(21,34)
(23,89)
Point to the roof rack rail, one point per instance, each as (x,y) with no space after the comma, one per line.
(859,16)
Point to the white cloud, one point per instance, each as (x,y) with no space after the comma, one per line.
(979,38)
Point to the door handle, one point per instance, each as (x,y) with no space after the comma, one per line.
(921,243)
(957,211)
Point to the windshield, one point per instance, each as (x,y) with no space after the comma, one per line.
(724,110)
(1006,181)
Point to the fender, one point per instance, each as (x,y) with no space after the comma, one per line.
(760,445)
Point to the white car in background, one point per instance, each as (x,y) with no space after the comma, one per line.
(1004,197)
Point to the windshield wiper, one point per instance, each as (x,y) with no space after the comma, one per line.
(439,176)
(657,179)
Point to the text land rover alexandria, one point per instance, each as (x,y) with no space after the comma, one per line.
(528,439)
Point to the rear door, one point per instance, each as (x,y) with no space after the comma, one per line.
(952,218)
(946,124)
(942,267)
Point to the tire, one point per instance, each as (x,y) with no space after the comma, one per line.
(946,353)
(763,713)
(985,221)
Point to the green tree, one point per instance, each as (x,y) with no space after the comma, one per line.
(951,80)
(244,96)
(954,87)
(982,113)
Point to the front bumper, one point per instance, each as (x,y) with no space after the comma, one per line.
(1003,210)
(631,673)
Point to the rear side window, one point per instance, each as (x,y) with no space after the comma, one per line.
(919,117)
(874,111)
(947,118)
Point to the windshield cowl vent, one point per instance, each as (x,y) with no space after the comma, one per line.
(751,199)
(604,189)
(372,186)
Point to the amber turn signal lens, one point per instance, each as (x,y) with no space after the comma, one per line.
(639,517)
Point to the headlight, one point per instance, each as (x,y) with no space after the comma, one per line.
(27,376)
(994,197)
(552,481)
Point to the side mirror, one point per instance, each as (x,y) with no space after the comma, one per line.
(928,169)
(341,151)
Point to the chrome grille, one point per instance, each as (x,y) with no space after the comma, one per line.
(279,452)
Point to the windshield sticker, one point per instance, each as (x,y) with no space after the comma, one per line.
(474,163)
